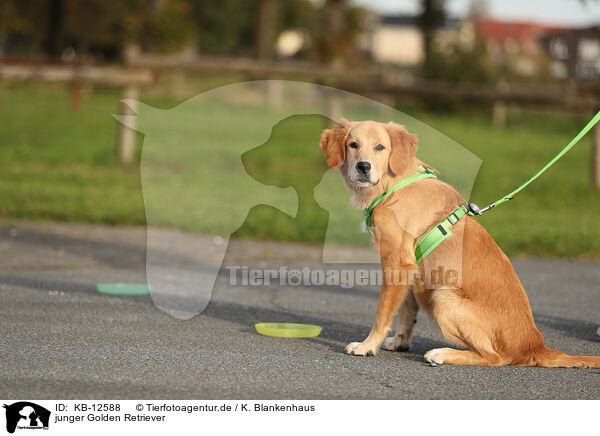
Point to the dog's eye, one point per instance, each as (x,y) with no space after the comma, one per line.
(354,145)
(379,147)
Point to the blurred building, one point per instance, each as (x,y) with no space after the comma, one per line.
(397,39)
(515,45)
(575,53)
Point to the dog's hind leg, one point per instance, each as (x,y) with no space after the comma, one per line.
(450,356)
(407,317)
(461,323)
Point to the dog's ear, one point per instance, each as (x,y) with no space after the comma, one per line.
(333,144)
(404,147)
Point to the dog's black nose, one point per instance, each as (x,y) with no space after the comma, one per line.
(363,166)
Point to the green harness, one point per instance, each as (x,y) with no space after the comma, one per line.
(435,236)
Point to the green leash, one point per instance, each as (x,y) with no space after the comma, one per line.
(476,211)
(439,233)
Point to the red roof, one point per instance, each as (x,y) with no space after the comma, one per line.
(523,33)
(517,30)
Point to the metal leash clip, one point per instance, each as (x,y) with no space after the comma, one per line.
(474,209)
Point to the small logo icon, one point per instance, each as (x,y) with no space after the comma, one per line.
(26,415)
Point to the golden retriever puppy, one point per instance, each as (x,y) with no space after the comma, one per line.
(484,309)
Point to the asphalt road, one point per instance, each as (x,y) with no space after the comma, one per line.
(61,339)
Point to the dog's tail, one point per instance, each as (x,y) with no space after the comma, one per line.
(549,358)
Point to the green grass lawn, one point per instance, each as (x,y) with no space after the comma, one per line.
(60,165)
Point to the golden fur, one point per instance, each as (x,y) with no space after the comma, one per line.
(484,308)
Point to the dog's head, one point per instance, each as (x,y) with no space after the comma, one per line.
(368,152)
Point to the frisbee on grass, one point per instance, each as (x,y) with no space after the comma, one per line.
(288,329)
(123,289)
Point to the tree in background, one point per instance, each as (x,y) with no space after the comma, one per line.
(98,28)
(162,25)
(55,36)
(22,25)
(463,58)
(432,16)
(101,29)
(336,34)
(266,23)
(240,28)
(224,26)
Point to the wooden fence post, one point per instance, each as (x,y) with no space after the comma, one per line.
(386,109)
(596,157)
(499,115)
(335,106)
(177,83)
(274,95)
(76,96)
(500,108)
(126,139)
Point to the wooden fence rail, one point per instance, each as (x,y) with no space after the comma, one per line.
(377,83)
(130,80)
(110,76)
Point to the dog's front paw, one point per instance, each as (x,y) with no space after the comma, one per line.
(396,343)
(361,349)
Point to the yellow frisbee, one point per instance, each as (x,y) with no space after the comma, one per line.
(288,330)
